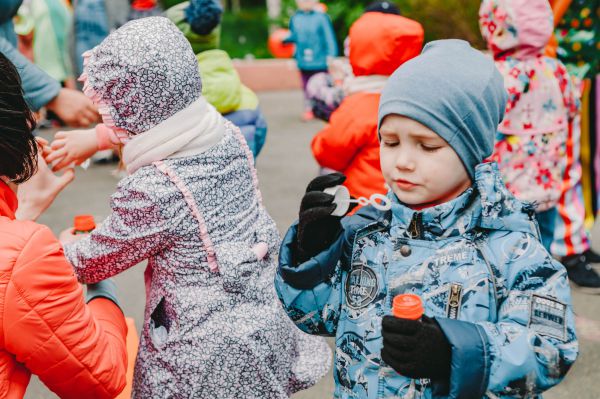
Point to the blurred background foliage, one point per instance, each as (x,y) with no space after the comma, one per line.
(246,24)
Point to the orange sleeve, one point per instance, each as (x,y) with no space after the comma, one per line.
(339,142)
(559,8)
(77,350)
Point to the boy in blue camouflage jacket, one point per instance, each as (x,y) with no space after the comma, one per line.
(498,317)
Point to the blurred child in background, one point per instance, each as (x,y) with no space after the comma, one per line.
(199,20)
(312,33)
(51,21)
(536,141)
(326,90)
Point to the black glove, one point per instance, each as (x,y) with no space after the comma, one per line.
(416,349)
(317,229)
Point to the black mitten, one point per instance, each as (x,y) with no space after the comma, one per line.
(416,349)
(317,229)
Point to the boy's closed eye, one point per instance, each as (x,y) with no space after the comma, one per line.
(429,147)
(426,145)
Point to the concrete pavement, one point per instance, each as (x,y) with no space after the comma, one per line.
(284,168)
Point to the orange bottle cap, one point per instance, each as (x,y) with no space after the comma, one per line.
(84,223)
(407,306)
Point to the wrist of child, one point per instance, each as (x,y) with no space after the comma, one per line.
(105,137)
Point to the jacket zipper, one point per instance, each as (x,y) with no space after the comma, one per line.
(415,227)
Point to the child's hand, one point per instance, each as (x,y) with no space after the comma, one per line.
(317,228)
(74,146)
(68,235)
(415,348)
(43,146)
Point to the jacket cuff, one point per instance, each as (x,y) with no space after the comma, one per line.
(470,364)
(103,289)
(314,271)
(45,96)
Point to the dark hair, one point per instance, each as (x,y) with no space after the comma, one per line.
(386,7)
(18,148)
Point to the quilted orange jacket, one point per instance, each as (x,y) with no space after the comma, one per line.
(46,328)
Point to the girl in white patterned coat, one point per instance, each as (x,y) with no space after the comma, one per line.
(190,206)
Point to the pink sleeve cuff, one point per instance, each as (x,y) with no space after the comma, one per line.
(106,137)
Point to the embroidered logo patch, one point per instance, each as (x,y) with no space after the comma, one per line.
(361,287)
(548,317)
(454,301)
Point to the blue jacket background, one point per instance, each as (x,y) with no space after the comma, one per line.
(503,303)
(313,35)
(39,88)
(253,126)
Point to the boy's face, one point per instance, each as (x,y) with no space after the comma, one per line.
(306,5)
(418,165)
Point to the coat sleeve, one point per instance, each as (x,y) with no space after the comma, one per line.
(38,86)
(311,292)
(532,344)
(329,36)
(342,139)
(292,37)
(9,10)
(77,350)
(137,228)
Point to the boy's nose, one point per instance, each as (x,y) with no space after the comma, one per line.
(405,159)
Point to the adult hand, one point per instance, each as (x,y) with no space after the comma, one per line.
(70,83)
(317,228)
(70,147)
(74,108)
(37,193)
(68,235)
(416,348)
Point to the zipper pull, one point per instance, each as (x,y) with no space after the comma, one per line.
(415,228)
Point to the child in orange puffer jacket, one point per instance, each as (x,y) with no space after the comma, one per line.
(349,144)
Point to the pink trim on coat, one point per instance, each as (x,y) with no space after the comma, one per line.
(103,108)
(189,199)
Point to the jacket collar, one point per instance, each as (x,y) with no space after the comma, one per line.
(8,201)
(486,205)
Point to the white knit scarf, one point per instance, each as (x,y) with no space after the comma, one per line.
(189,132)
(369,84)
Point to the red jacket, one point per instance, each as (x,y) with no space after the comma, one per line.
(349,144)
(46,328)
(379,44)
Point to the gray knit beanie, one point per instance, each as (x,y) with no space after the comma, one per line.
(454,90)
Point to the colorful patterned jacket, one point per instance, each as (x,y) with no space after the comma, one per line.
(543,103)
(502,301)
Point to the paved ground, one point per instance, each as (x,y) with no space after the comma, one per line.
(285,167)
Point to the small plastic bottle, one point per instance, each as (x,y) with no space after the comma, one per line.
(83,224)
(407,306)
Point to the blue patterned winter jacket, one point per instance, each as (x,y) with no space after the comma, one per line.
(502,301)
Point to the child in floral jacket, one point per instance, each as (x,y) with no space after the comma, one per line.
(542,108)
